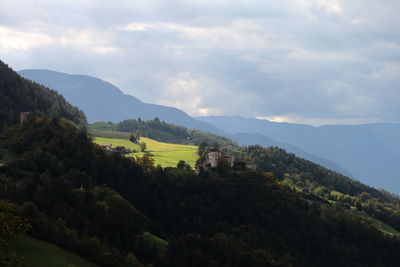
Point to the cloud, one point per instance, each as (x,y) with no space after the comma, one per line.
(304,60)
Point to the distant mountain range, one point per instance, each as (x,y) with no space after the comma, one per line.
(247,139)
(101,100)
(370,153)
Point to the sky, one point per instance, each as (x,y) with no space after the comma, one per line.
(305,61)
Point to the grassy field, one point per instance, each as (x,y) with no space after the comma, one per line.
(40,253)
(165,154)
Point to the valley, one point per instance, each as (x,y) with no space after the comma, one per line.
(68,183)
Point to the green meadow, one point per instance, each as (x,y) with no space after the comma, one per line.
(44,254)
(164,154)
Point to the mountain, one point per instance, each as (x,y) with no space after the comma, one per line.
(248,139)
(116,211)
(103,101)
(21,95)
(371,152)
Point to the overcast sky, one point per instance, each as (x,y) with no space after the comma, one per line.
(309,61)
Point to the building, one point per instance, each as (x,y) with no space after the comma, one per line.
(24,117)
(107,147)
(234,159)
(251,166)
(212,158)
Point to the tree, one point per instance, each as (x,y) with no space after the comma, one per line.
(223,165)
(133,139)
(202,148)
(146,162)
(10,226)
(181,164)
(143,146)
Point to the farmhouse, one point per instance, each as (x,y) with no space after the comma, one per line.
(107,147)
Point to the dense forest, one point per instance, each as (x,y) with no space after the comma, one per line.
(97,204)
(160,131)
(329,186)
(18,95)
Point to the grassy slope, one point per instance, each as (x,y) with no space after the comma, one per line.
(383,227)
(167,155)
(152,241)
(40,253)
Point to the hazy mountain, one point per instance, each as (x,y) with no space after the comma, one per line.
(259,139)
(101,100)
(371,152)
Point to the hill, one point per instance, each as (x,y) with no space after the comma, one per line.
(44,254)
(369,152)
(327,186)
(101,100)
(246,139)
(101,205)
(165,132)
(97,204)
(21,95)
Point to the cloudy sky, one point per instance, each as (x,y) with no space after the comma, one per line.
(309,61)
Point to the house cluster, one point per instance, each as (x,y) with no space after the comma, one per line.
(118,149)
(234,160)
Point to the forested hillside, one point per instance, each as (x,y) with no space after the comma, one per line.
(328,186)
(18,95)
(60,187)
(370,152)
(158,130)
(100,204)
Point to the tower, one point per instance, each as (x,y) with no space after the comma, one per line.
(24,117)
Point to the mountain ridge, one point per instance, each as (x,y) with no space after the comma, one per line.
(370,152)
(85,91)
(103,101)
